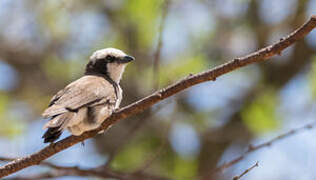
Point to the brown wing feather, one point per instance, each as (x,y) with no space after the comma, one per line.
(88,90)
(56,97)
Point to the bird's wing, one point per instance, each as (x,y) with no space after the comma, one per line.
(56,97)
(86,91)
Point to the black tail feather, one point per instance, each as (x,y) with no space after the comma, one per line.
(52,134)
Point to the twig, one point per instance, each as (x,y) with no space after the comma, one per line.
(62,171)
(41,176)
(246,171)
(253,148)
(159,151)
(165,10)
(145,103)
(88,173)
(6,159)
(132,133)
(48,164)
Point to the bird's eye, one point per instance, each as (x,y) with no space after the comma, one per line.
(110,58)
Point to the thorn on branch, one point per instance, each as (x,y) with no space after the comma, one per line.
(269,48)
(246,171)
(159,94)
(250,148)
(190,75)
(237,61)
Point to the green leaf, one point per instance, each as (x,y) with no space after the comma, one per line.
(136,153)
(144,15)
(261,116)
(311,77)
(10,126)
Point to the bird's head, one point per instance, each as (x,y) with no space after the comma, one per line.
(109,61)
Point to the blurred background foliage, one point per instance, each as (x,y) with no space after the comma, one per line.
(44,45)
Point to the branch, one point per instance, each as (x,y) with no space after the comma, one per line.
(46,175)
(74,171)
(104,174)
(100,172)
(253,148)
(132,132)
(159,151)
(165,10)
(246,171)
(145,103)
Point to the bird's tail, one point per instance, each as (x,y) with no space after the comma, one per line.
(55,127)
(52,134)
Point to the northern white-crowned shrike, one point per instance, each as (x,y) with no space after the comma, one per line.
(85,103)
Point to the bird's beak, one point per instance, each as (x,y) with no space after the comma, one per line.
(127,59)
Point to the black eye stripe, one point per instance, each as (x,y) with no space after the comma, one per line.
(110,58)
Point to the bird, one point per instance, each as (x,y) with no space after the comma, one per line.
(85,103)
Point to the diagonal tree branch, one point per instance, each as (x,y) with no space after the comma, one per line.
(253,148)
(100,172)
(61,171)
(160,95)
